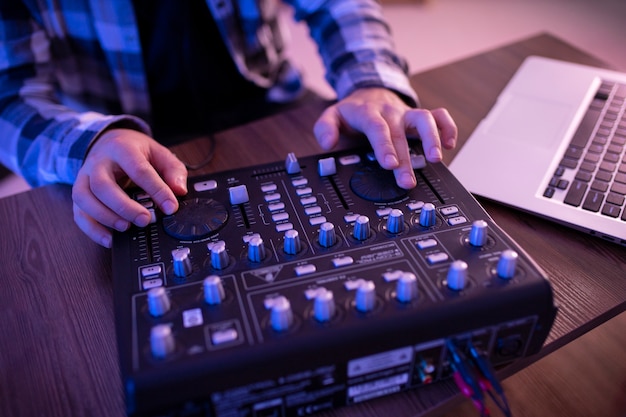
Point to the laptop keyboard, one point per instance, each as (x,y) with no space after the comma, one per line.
(596,156)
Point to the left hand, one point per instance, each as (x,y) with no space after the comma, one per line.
(386,120)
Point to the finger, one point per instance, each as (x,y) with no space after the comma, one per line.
(105,188)
(171,169)
(91,206)
(144,175)
(404,174)
(326,128)
(447,127)
(424,123)
(371,122)
(94,230)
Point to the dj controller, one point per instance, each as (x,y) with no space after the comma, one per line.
(314,283)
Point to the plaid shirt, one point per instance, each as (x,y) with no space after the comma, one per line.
(69,69)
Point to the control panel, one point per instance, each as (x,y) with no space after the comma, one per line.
(313,283)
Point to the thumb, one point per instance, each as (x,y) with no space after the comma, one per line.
(326,129)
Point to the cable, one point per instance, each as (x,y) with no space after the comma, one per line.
(488,380)
(464,378)
(207,158)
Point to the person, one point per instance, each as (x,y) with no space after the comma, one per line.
(89,88)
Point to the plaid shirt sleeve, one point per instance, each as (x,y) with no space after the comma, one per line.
(40,138)
(356,46)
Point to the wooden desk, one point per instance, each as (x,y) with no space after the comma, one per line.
(58,352)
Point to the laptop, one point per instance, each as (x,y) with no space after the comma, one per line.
(553,145)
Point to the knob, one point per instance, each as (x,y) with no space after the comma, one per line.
(406,287)
(281,315)
(395,221)
(256,249)
(457,275)
(162,341)
(213,290)
(219,255)
(507,264)
(361,228)
(158,301)
(324,306)
(478,233)
(292,244)
(182,263)
(327,235)
(428,217)
(365,299)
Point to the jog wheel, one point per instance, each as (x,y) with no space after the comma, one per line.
(196,219)
(376,184)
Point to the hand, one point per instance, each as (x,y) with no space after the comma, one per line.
(386,120)
(117,157)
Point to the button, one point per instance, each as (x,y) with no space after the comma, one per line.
(314,221)
(268,188)
(391,276)
(192,318)
(283,227)
(298,182)
(342,261)
(207,185)
(238,194)
(383,212)
(326,167)
(276,206)
(147,271)
(436,258)
(415,205)
(449,211)
(305,269)
(308,200)
(309,211)
(220,337)
(304,191)
(349,159)
(152,283)
(272,197)
(426,243)
(455,221)
(280,216)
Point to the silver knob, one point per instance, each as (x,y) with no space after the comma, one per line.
(158,301)
(406,287)
(182,263)
(213,290)
(507,264)
(361,229)
(162,341)
(256,249)
(478,233)
(324,306)
(281,316)
(292,244)
(327,235)
(457,275)
(365,299)
(219,255)
(428,217)
(395,221)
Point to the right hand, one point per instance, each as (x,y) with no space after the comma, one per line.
(117,157)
